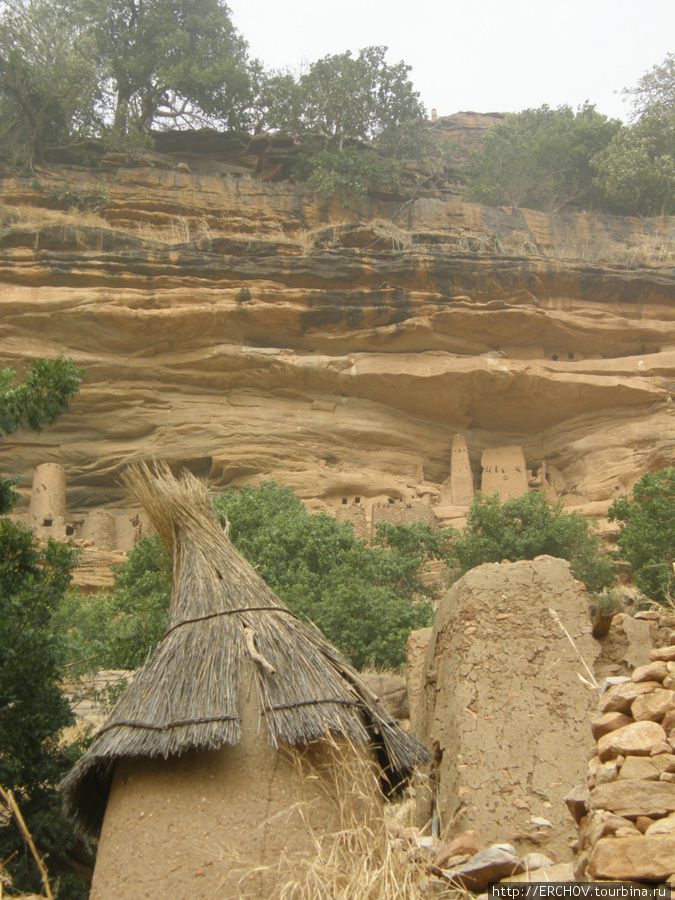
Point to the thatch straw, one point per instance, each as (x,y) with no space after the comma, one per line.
(225,622)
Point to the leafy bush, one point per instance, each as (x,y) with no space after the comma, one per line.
(647,536)
(365,599)
(525,527)
(540,158)
(118,629)
(33,710)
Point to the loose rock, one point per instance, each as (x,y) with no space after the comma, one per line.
(631,740)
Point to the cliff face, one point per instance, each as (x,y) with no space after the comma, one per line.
(252,329)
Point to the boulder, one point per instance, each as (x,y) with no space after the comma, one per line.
(489,865)
(667,654)
(633,858)
(634,798)
(620,697)
(653,706)
(631,740)
(607,722)
(653,671)
(468,842)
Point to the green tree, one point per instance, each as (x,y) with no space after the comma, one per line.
(636,172)
(49,79)
(540,158)
(170,63)
(647,535)
(359,110)
(33,710)
(43,395)
(33,581)
(525,527)
(117,629)
(365,599)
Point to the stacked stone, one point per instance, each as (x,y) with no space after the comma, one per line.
(626,814)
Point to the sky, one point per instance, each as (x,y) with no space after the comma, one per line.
(480,55)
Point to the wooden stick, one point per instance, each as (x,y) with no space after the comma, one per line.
(8,797)
(249,637)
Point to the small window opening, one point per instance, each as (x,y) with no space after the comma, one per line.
(70,529)
(390,499)
(357,499)
(47,523)
(555,356)
(570,355)
(344,501)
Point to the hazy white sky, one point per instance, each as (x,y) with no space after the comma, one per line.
(481,55)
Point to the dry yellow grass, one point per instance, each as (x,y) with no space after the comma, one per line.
(637,250)
(360,861)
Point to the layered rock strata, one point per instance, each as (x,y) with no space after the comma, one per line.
(342,360)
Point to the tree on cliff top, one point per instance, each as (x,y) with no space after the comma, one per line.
(540,158)
(171,63)
(49,78)
(637,170)
(363,113)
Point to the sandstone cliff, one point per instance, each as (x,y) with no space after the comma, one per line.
(255,330)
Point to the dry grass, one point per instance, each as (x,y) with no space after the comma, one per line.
(360,861)
(389,234)
(38,217)
(597,246)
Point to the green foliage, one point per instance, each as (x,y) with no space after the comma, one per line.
(170,64)
(38,400)
(647,536)
(33,710)
(363,111)
(540,158)
(342,97)
(654,94)
(118,629)
(365,599)
(49,79)
(525,527)
(43,395)
(350,172)
(637,170)
(66,197)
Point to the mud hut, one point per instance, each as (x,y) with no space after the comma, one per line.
(190,786)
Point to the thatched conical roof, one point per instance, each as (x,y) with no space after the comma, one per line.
(225,621)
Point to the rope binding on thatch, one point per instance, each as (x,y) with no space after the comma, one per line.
(225,624)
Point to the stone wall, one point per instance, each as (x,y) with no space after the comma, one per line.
(626,810)
(403,513)
(356,514)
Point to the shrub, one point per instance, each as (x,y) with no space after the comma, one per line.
(525,527)
(647,536)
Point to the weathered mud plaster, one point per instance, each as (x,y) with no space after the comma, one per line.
(503,707)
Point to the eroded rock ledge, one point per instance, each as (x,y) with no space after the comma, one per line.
(338,359)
